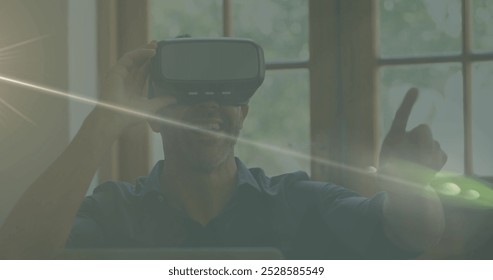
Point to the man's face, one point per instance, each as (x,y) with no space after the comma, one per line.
(209,146)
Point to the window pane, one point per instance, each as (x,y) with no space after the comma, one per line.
(199,18)
(279,116)
(419,27)
(280,27)
(440,104)
(170,18)
(482,25)
(482,116)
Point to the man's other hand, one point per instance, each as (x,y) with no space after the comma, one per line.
(410,155)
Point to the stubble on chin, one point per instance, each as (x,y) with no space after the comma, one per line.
(208,161)
(203,157)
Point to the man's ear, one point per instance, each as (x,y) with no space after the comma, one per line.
(244,112)
(149,90)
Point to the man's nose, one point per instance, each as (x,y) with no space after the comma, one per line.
(209,104)
(208,108)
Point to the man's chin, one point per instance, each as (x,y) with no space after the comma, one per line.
(208,160)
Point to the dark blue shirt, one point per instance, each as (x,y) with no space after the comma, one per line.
(304,219)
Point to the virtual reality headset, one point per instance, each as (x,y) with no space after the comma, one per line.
(195,70)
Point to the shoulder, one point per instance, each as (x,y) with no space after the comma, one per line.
(300,185)
(111,196)
(106,216)
(296,190)
(114,189)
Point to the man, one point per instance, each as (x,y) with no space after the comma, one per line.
(202,196)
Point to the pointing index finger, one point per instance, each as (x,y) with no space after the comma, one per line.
(402,115)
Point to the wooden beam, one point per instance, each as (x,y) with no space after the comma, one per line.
(123,26)
(359,96)
(227,22)
(107,56)
(324,121)
(343,102)
(133,155)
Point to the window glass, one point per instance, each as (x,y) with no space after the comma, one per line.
(279,111)
(482,25)
(440,104)
(279,117)
(419,27)
(482,116)
(170,18)
(280,27)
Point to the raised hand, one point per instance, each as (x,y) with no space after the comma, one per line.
(124,88)
(404,153)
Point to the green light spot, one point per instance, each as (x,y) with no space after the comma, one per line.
(471,194)
(448,189)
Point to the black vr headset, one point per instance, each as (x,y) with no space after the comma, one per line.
(194,70)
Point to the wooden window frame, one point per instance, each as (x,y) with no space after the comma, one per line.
(343,66)
(466,58)
(344,133)
(123,26)
(120,30)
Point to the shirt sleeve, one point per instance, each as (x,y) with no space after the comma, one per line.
(354,221)
(91,222)
(86,230)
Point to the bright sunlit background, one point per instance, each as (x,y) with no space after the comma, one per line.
(280,109)
(434,28)
(65,57)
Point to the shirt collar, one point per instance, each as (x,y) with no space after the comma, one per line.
(245,176)
(151,183)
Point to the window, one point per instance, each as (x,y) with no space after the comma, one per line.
(279,111)
(351,74)
(445,49)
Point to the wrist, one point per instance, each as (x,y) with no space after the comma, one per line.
(103,123)
(406,172)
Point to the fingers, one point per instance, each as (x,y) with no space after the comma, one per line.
(440,157)
(402,115)
(427,151)
(143,72)
(421,137)
(133,67)
(141,76)
(137,58)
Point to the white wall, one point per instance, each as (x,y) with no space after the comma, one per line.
(82,58)
(33,124)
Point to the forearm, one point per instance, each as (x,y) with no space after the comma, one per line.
(413,214)
(41,220)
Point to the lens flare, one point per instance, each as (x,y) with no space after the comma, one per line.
(16,45)
(8,56)
(481,195)
(17,112)
(10,52)
(153,117)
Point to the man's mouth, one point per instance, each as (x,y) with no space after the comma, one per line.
(209,126)
(214,125)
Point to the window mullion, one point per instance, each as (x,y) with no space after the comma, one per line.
(466,70)
(227,26)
